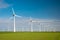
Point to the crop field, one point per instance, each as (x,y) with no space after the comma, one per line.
(29,35)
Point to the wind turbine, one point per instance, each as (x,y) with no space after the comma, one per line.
(31,25)
(14,19)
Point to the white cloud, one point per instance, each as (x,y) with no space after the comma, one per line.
(3,4)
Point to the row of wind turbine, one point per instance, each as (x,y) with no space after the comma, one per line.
(31,21)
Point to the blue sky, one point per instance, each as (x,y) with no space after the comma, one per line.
(45,9)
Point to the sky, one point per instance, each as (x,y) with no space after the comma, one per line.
(43,9)
(38,10)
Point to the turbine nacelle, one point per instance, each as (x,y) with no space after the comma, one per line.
(13,14)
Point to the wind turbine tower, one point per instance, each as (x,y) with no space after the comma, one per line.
(14,19)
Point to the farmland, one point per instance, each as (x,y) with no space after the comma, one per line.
(29,35)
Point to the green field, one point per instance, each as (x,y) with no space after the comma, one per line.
(30,36)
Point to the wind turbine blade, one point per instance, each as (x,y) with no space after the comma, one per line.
(35,21)
(18,16)
(13,11)
(11,18)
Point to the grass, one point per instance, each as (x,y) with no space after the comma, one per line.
(30,36)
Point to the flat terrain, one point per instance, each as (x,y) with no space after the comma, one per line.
(30,36)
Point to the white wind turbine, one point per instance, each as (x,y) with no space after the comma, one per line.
(14,15)
(31,23)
